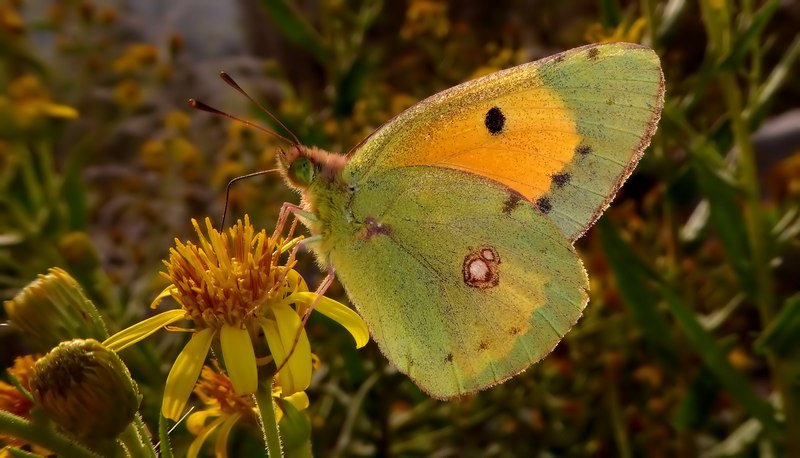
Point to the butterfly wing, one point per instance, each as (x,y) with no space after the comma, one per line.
(461,291)
(564,132)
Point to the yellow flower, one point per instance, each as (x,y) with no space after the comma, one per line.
(86,389)
(136,57)
(14,401)
(225,408)
(28,101)
(625,31)
(11,399)
(426,17)
(233,288)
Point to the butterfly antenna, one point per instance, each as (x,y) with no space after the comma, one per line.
(230,82)
(198,105)
(228,192)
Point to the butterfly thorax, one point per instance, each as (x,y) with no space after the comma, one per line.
(317,175)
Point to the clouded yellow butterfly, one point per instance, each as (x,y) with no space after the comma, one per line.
(452,226)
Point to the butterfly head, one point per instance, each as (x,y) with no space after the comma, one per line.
(302,165)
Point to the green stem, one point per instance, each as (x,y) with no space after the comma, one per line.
(12,425)
(137,441)
(269,422)
(748,174)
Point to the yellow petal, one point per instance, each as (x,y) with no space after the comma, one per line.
(184,373)
(338,312)
(281,333)
(198,442)
(299,400)
(142,329)
(196,422)
(61,111)
(221,447)
(240,359)
(163,294)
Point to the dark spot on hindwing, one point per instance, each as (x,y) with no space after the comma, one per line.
(561,179)
(583,150)
(483,346)
(480,269)
(592,53)
(495,120)
(544,205)
(512,202)
(372,228)
(515,330)
(448,358)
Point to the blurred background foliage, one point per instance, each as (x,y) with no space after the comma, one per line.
(689,345)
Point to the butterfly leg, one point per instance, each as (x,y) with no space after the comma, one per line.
(321,289)
(290,209)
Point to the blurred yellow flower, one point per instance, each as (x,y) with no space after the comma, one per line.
(225,408)
(136,57)
(28,101)
(233,287)
(625,31)
(426,17)
(14,401)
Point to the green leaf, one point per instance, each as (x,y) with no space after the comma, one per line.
(295,28)
(349,89)
(295,428)
(746,39)
(783,333)
(634,284)
(698,403)
(726,214)
(716,360)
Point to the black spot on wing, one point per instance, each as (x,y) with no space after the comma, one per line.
(448,358)
(583,150)
(561,179)
(544,205)
(495,120)
(592,53)
(512,202)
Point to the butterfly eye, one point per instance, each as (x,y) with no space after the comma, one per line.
(303,170)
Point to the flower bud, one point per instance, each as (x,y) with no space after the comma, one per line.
(52,309)
(86,389)
(79,251)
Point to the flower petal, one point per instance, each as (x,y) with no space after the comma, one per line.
(220,448)
(338,312)
(299,400)
(184,373)
(166,292)
(240,359)
(281,333)
(197,443)
(142,329)
(196,421)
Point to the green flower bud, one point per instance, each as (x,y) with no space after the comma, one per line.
(79,251)
(86,389)
(52,309)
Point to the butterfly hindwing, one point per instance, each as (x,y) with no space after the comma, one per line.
(564,132)
(462,284)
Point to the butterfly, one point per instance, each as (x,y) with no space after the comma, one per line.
(452,226)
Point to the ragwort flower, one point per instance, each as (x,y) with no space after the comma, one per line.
(233,288)
(224,408)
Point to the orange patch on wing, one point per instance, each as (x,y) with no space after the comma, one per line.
(520,140)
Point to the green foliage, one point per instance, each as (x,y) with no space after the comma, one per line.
(689,342)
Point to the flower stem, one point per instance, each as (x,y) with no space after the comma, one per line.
(269,422)
(12,425)
(136,440)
